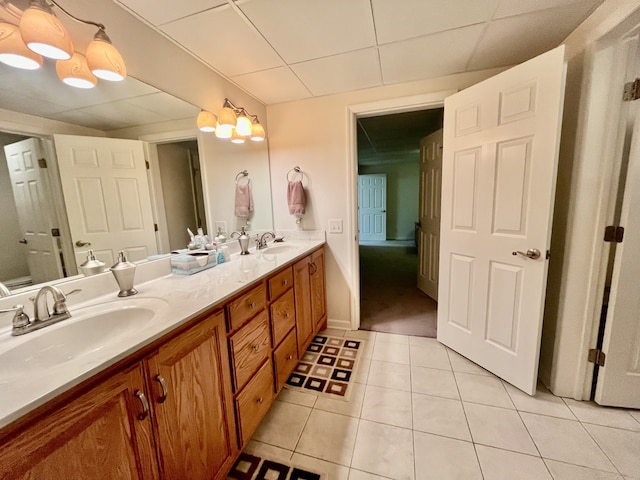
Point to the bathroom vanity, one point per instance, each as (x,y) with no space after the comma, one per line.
(182,401)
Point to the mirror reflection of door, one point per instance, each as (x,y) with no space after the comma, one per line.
(35,246)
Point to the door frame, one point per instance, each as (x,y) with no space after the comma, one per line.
(372,109)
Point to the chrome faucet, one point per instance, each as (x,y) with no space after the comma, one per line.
(41,316)
(261,241)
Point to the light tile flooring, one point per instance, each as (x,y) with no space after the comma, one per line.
(420,411)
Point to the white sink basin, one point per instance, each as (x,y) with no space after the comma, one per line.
(88,330)
(281,248)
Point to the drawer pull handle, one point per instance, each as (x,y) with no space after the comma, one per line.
(252,305)
(145,405)
(256,347)
(163,384)
(286,315)
(289,357)
(260,400)
(284,283)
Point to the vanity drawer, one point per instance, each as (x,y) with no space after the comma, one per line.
(286,359)
(283,317)
(246,306)
(280,283)
(254,402)
(250,347)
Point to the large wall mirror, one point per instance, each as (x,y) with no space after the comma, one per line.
(190,181)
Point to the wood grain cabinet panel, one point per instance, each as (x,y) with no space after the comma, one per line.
(318,295)
(250,347)
(283,317)
(286,359)
(192,403)
(254,401)
(302,295)
(280,283)
(246,306)
(102,434)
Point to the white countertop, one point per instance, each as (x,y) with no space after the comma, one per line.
(185,297)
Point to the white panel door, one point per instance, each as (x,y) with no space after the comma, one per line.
(430,195)
(501,141)
(372,207)
(618,381)
(34,203)
(105,187)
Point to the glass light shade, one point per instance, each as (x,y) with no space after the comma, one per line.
(227,117)
(243,125)
(105,61)
(75,72)
(257,133)
(206,121)
(223,131)
(43,33)
(236,137)
(14,52)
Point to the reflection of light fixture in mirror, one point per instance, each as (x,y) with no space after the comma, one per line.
(44,33)
(223,131)
(14,52)
(75,72)
(257,130)
(206,121)
(104,59)
(243,123)
(236,137)
(227,116)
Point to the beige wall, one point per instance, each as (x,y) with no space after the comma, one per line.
(313,134)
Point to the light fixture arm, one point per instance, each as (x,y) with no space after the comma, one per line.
(79,20)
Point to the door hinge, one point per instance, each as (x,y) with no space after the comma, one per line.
(146,164)
(42,162)
(596,356)
(548,256)
(613,234)
(155,227)
(631,91)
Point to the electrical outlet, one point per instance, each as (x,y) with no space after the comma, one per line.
(221,225)
(335,226)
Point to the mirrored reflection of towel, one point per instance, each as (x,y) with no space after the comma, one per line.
(295,198)
(244,200)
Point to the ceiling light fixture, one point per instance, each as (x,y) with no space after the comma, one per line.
(206,121)
(234,123)
(44,33)
(14,52)
(75,72)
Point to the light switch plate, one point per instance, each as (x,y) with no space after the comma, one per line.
(222,225)
(335,226)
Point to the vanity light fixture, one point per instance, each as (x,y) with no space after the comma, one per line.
(206,121)
(44,34)
(234,123)
(14,52)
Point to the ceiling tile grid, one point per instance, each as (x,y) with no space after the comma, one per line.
(284,50)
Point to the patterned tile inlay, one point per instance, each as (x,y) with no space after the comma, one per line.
(250,467)
(327,365)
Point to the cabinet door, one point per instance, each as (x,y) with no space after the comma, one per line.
(103,434)
(302,293)
(318,296)
(192,403)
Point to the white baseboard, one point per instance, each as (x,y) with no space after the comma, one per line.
(342,324)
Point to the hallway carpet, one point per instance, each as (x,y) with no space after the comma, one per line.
(389,299)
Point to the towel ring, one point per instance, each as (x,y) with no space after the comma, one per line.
(295,170)
(241,175)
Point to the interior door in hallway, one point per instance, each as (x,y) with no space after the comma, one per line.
(429,225)
(106,191)
(34,203)
(372,207)
(618,381)
(501,142)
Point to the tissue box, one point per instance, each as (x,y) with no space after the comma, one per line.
(194,262)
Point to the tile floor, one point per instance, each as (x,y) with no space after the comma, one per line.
(420,411)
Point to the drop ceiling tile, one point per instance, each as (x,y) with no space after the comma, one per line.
(158,12)
(508,8)
(544,30)
(165,105)
(91,120)
(340,73)
(396,20)
(222,38)
(276,85)
(120,113)
(431,56)
(307,30)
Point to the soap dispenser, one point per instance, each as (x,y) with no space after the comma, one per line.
(124,271)
(243,240)
(92,265)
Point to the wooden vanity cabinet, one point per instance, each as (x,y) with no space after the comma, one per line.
(310,297)
(318,293)
(192,403)
(104,433)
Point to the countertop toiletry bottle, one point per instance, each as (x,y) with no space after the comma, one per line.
(92,265)
(221,236)
(220,258)
(243,240)
(124,271)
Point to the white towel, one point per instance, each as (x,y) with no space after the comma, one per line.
(244,200)
(295,198)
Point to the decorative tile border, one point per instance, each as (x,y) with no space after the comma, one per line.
(250,467)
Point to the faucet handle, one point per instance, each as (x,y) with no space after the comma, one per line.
(60,306)
(20,319)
